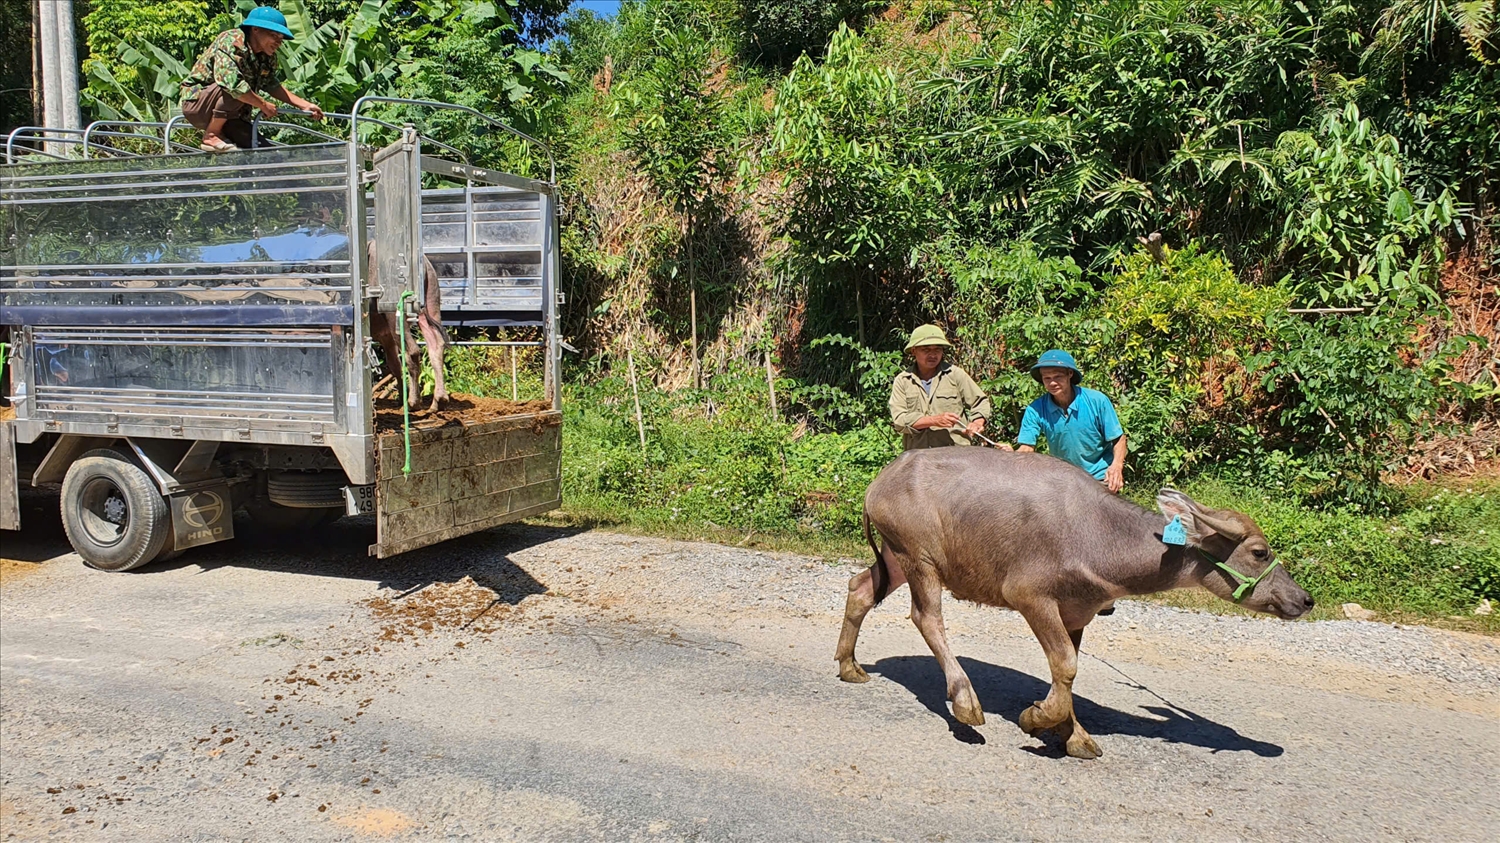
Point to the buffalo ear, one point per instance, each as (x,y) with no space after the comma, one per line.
(1173,503)
(1229,528)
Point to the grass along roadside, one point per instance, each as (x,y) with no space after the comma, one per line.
(833,549)
(730,475)
(1202,601)
(1432,562)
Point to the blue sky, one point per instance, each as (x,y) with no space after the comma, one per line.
(602,8)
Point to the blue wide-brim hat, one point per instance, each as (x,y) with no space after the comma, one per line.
(1056,358)
(266,17)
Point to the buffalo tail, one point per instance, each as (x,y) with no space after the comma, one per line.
(880,575)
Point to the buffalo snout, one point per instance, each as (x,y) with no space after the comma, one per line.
(1290,601)
(1296,607)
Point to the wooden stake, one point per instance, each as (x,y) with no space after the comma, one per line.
(635,391)
(693,306)
(515,391)
(771,385)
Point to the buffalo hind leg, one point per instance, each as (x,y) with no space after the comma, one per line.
(1055,713)
(430,323)
(927,614)
(437,341)
(413,366)
(862,598)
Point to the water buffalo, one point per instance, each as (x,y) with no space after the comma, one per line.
(386,327)
(1030,532)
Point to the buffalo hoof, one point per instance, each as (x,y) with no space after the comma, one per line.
(1034,723)
(850,671)
(438,403)
(966,708)
(1080,745)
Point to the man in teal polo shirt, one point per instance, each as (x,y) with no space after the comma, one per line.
(1080,424)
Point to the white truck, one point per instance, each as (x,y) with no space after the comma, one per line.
(188,336)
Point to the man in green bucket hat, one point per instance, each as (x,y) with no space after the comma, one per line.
(935,403)
(1079,424)
(229,78)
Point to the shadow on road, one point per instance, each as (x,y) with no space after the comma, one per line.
(339,550)
(42,538)
(336,550)
(1008,692)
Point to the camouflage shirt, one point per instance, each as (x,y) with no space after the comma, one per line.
(231,64)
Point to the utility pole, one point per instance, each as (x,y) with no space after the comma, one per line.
(67,57)
(36,62)
(59,69)
(51,80)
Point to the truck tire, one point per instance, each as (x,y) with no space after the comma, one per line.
(278,518)
(112,512)
(307,489)
(169,549)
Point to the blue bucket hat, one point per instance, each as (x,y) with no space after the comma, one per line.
(1056,358)
(266,17)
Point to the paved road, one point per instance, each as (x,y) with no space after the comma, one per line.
(543,684)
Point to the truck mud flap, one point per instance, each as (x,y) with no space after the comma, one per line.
(202,517)
(10,483)
(465,478)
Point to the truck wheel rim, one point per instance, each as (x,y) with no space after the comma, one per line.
(104,512)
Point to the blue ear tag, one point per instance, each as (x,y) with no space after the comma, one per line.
(1174,532)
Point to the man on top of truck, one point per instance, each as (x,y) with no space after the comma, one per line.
(222,88)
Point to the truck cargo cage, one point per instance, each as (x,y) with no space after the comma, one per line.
(205,318)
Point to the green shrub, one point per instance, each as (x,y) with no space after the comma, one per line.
(778,32)
(1179,326)
(1353,392)
(486,370)
(842,404)
(1357,231)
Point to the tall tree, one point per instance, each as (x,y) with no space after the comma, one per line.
(677,136)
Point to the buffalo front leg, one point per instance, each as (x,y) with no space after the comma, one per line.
(927,614)
(1055,713)
(861,600)
(384,327)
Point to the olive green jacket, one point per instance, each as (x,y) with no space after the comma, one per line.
(953,391)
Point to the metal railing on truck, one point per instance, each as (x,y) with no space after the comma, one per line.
(222,299)
(214,298)
(484,242)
